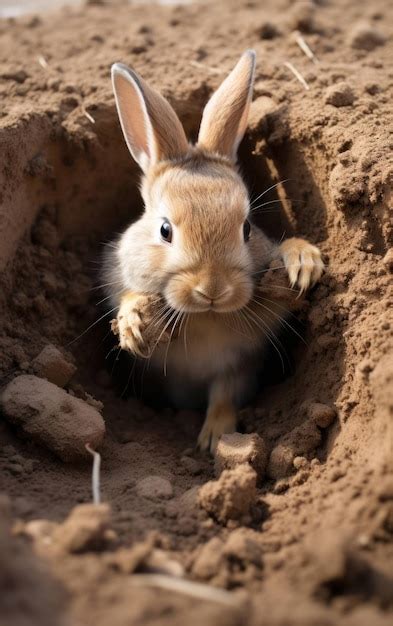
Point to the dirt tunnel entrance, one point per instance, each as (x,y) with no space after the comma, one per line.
(320,526)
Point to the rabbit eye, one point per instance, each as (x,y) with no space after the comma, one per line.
(166,231)
(246,230)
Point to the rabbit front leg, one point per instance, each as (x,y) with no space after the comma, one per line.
(137,323)
(221,415)
(303,262)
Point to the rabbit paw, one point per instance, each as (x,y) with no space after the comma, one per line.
(215,425)
(135,325)
(303,262)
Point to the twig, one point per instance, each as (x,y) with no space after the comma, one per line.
(186,587)
(87,114)
(297,74)
(95,475)
(303,45)
(42,61)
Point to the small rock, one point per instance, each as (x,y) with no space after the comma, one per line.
(155,488)
(322,414)
(188,501)
(191,465)
(236,449)
(84,529)
(52,417)
(299,441)
(231,496)
(51,364)
(300,462)
(364,36)
(340,95)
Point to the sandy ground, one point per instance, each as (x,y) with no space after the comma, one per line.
(312,543)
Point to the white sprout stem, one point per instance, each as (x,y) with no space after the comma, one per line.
(304,47)
(297,74)
(186,587)
(95,475)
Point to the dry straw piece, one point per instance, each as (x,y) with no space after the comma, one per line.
(297,74)
(304,47)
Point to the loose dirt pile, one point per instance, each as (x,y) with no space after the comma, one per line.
(294,526)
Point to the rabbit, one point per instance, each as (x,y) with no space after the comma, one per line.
(190,264)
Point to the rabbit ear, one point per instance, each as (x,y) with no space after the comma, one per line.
(151,128)
(224,119)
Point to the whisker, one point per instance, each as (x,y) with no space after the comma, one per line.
(283,321)
(92,325)
(129,378)
(107,297)
(114,282)
(270,334)
(180,313)
(280,182)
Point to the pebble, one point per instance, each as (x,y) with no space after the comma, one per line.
(154,488)
(191,465)
(236,449)
(322,414)
(340,95)
(298,442)
(52,417)
(52,365)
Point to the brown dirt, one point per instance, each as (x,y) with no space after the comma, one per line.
(316,545)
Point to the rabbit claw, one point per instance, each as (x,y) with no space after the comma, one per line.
(134,324)
(302,261)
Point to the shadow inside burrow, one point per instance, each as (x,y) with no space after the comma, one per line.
(302,211)
(292,207)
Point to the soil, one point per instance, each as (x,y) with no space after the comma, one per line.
(311,541)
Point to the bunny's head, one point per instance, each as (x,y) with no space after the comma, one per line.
(194,243)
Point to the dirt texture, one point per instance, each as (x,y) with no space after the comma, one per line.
(311,541)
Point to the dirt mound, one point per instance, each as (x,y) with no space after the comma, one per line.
(312,542)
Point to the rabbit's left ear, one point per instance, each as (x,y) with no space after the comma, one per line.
(224,119)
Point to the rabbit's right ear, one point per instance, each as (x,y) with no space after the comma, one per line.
(151,128)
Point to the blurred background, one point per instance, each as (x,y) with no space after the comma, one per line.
(18,7)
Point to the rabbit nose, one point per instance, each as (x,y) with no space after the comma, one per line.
(203,295)
(210,297)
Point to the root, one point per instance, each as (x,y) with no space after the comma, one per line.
(95,475)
